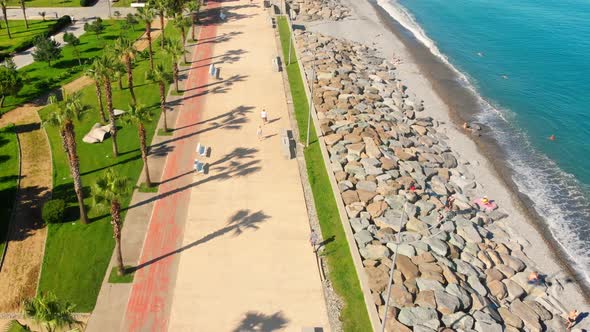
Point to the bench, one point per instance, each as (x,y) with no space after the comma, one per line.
(202,150)
(199,167)
(287,144)
(276,64)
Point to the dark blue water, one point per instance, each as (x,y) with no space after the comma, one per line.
(529,60)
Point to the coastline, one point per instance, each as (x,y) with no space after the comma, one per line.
(450,105)
(462,106)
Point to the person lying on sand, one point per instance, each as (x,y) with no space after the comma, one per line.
(534,278)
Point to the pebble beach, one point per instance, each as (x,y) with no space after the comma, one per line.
(398,157)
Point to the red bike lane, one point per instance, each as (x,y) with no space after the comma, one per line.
(149,304)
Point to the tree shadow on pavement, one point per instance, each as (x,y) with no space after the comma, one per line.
(260,322)
(242,220)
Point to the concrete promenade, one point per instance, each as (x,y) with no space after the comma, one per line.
(228,250)
(246,263)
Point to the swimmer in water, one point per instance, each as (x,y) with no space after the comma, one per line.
(480,53)
(505,77)
(552,138)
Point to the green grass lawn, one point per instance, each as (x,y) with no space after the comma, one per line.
(343,275)
(123,3)
(46,3)
(76,255)
(9,168)
(20,33)
(40,78)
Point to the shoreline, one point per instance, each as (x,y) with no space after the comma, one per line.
(459,111)
(447,103)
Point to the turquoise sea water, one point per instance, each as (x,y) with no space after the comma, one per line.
(529,60)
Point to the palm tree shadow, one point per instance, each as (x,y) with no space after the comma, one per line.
(260,322)
(242,220)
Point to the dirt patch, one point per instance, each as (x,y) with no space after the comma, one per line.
(26,238)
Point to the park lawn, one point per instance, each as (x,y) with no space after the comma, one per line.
(9,172)
(342,272)
(77,255)
(40,78)
(19,33)
(45,3)
(123,3)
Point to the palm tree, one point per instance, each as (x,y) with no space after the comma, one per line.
(65,112)
(194,10)
(48,311)
(146,15)
(108,192)
(182,23)
(94,73)
(3,4)
(22,6)
(160,7)
(175,50)
(126,48)
(161,76)
(107,66)
(139,115)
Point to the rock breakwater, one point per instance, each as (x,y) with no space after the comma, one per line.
(313,10)
(459,266)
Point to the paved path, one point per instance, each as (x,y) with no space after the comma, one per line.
(228,249)
(26,237)
(100,9)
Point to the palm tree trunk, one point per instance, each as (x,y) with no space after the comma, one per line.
(144,154)
(175,73)
(64,142)
(116,222)
(148,33)
(162,27)
(22,6)
(163,103)
(183,43)
(70,135)
(109,94)
(120,82)
(6,20)
(130,78)
(100,105)
(2,100)
(193,26)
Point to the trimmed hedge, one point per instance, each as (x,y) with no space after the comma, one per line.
(53,211)
(59,25)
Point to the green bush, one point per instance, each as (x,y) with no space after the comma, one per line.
(53,211)
(85,3)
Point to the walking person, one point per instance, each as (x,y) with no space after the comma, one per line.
(264,116)
(313,240)
(259,132)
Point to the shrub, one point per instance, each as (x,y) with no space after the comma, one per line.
(85,3)
(53,211)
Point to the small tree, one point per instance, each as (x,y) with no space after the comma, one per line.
(96,27)
(182,23)
(95,72)
(140,115)
(10,81)
(146,15)
(160,76)
(175,50)
(126,49)
(194,8)
(48,311)
(46,50)
(74,41)
(108,192)
(130,21)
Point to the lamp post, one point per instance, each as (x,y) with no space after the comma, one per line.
(310,104)
(397,240)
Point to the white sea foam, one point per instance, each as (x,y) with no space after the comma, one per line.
(556,195)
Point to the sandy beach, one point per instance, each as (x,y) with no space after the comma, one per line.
(368,26)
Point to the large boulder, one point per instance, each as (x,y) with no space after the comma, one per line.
(419,316)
